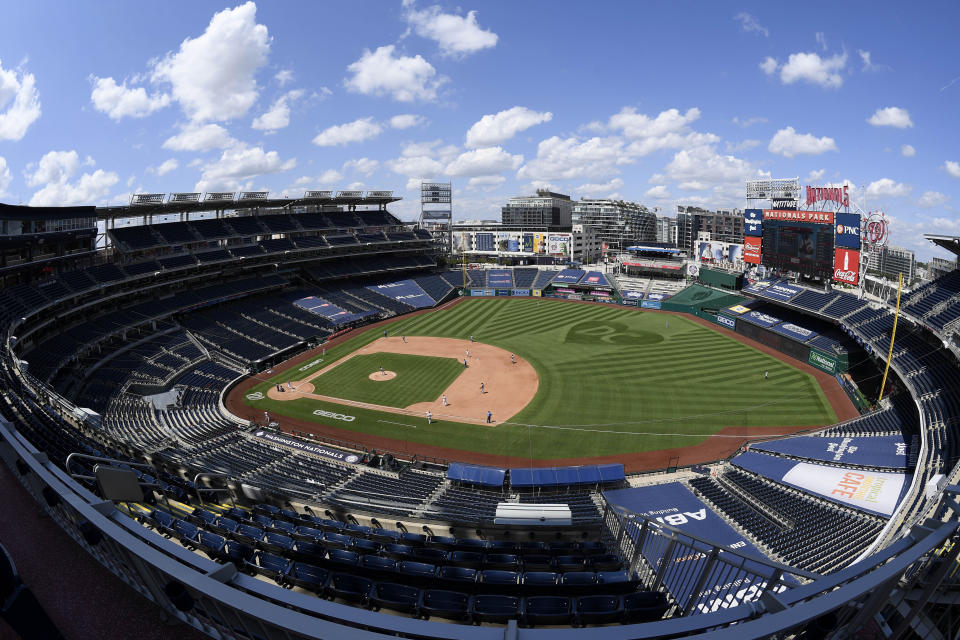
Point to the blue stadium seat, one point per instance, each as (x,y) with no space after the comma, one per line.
(309,577)
(211,544)
(500,561)
(417,572)
(276,543)
(540,582)
(378,566)
(398,597)
(269,565)
(537,562)
(579,581)
(456,578)
(349,587)
(452,605)
(471,559)
(598,609)
(495,608)
(307,551)
(342,560)
(644,606)
(239,553)
(547,610)
(248,534)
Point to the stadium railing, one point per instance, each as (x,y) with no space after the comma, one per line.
(215,598)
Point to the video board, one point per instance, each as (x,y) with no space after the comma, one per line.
(801,241)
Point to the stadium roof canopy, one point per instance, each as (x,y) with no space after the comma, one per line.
(656,247)
(159,205)
(950,243)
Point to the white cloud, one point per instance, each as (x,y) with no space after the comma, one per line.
(809,67)
(891,117)
(749,24)
(326,179)
(416,167)
(953,168)
(815,175)
(193,137)
(693,185)
(638,125)
(19,103)
(213,76)
(166,167)
(278,115)
(356,131)
(406,120)
(705,165)
(55,170)
(566,158)
(457,36)
(868,64)
(366,166)
(482,162)
(743,145)
(769,65)
(748,122)
(5,176)
(821,39)
(240,163)
(118,101)
(787,142)
(284,76)
(497,128)
(601,189)
(931,199)
(487,183)
(908,151)
(657,193)
(403,78)
(885,187)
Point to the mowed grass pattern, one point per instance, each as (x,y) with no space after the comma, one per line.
(419,379)
(613,380)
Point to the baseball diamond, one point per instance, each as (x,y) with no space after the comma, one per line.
(606,382)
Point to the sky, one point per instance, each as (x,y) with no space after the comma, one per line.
(661,103)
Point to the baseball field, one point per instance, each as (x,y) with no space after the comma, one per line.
(560,381)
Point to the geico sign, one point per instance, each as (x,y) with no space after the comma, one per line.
(310,364)
(335,416)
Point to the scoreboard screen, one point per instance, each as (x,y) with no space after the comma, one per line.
(804,247)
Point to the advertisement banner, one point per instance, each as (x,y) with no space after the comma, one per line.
(482,292)
(564,290)
(751,249)
(738,309)
(539,243)
(483,241)
(520,292)
(762,319)
(601,294)
(309,447)
(528,243)
(628,303)
(752,221)
(729,323)
(800,334)
(657,296)
(536,292)
(782,292)
(631,295)
(559,244)
(875,491)
(650,304)
(875,451)
(789,215)
(847,230)
(846,266)
(499,277)
(823,361)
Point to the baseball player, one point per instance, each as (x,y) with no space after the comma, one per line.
(482,391)
(489,417)
(382,372)
(443,399)
(513,359)
(468,353)
(464,363)
(403,338)
(766,375)
(429,418)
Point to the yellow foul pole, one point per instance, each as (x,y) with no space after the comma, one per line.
(893,335)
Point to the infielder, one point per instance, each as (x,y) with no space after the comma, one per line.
(429,418)
(443,399)
(481,389)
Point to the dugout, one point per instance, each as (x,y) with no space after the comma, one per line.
(699,300)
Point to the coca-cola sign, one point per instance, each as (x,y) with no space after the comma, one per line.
(839,195)
(846,266)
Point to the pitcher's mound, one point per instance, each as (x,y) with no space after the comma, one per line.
(386,375)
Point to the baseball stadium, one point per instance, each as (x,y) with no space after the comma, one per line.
(303,418)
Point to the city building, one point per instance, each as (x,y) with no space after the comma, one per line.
(939,267)
(618,223)
(667,230)
(723,225)
(544,209)
(891,260)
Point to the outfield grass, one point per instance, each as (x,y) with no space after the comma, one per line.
(419,379)
(612,380)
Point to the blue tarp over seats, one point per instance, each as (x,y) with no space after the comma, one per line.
(568,276)
(879,451)
(406,291)
(500,278)
(566,476)
(876,492)
(675,505)
(330,311)
(595,279)
(472,474)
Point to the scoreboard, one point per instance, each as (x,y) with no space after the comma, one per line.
(801,241)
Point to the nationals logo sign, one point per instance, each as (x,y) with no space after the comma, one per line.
(877,229)
(840,195)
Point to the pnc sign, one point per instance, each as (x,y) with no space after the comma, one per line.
(840,195)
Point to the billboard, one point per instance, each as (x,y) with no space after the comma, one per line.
(559,244)
(751,249)
(874,451)
(507,242)
(752,221)
(719,251)
(484,241)
(528,243)
(823,361)
(846,266)
(800,241)
(847,230)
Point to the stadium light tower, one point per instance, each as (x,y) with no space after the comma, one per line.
(436,212)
